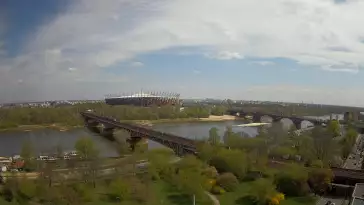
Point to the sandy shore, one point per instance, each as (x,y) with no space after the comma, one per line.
(211,118)
(28,128)
(219,118)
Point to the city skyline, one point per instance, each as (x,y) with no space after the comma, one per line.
(297,51)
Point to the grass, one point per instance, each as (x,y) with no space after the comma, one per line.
(165,194)
(241,197)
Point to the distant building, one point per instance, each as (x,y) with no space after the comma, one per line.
(144,99)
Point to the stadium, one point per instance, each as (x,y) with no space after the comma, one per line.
(144,99)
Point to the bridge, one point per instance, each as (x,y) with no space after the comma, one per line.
(257,117)
(180,145)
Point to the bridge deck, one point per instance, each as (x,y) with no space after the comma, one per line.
(143,130)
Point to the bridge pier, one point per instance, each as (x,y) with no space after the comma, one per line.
(92,125)
(133,141)
(108,132)
(298,124)
(256,118)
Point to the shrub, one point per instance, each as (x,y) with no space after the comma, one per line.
(217,190)
(227,181)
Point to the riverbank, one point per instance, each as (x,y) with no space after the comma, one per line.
(29,128)
(62,128)
(211,118)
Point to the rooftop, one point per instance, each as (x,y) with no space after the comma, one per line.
(141,94)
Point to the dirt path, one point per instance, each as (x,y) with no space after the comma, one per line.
(213,198)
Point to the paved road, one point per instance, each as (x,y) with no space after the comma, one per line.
(324,200)
(355,159)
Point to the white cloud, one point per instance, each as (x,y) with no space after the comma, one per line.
(72,69)
(94,34)
(317,32)
(263,63)
(137,64)
(341,68)
(225,55)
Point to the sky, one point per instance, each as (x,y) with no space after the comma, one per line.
(308,51)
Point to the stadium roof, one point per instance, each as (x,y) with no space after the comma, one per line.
(137,95)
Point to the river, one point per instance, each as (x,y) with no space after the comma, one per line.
(46,140)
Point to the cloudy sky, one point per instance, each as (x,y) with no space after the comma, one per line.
(281,50)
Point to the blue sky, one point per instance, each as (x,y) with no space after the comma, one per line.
(297,50)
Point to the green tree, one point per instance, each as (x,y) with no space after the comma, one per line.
(214,137)
(281,152)
(27,154)
(320,180)
(26,191)
(320,146)
(333,128)
(190,178)
(206,151)
(262,190)
(85,147)
(159,164)
(234,161)
(348,142)
(292,181)
(227,181)
(119,190)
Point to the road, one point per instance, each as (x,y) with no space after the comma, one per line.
(355,158)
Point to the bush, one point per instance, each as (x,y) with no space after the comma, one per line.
(217,190)
(291,186)
(211,172)
(227,181)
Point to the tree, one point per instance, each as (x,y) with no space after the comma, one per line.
(322,146)
(119,190)
(320,180)
(159,163)
(189,177)
(292,181)
(190,182)
(85,148)
(333,128)
(214,137)
(262,190)
(227,181)
(280,152)
(348,142)
(206,151)
(227,135)
(276,134)
(27,154)
(234,161)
